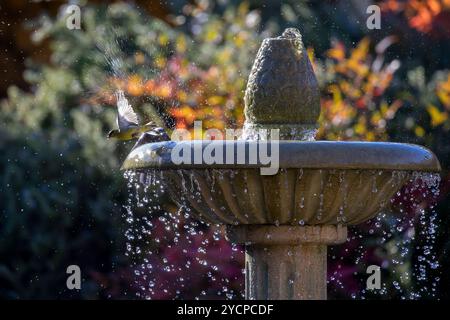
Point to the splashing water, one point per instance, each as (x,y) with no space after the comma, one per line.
(401,242)
(174,256)
(253,133)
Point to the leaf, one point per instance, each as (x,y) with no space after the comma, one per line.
(337,51)
(437,117)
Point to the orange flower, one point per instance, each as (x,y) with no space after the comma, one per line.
(420,13)
(163,90)
(337,51)
(134,85)
(150,87)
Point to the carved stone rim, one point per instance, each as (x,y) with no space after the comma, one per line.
(295,154)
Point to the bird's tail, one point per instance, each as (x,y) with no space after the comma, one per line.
(111,134)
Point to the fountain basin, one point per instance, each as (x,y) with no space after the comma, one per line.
(318,182)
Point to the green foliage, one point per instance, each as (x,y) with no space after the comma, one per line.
(58,179)
(61,191)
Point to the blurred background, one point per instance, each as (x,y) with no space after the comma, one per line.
(62,195)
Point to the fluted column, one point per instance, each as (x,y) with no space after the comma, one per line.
(286,262)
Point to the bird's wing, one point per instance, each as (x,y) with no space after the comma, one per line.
(126,117)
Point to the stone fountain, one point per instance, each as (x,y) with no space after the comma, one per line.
(285,219)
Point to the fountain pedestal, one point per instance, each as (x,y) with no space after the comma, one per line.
(286,262)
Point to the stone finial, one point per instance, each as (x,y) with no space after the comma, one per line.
(282,90)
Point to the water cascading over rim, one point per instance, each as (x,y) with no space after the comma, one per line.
(285,220)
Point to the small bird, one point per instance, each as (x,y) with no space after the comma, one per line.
(155,135)
(127,121)
(129,128)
